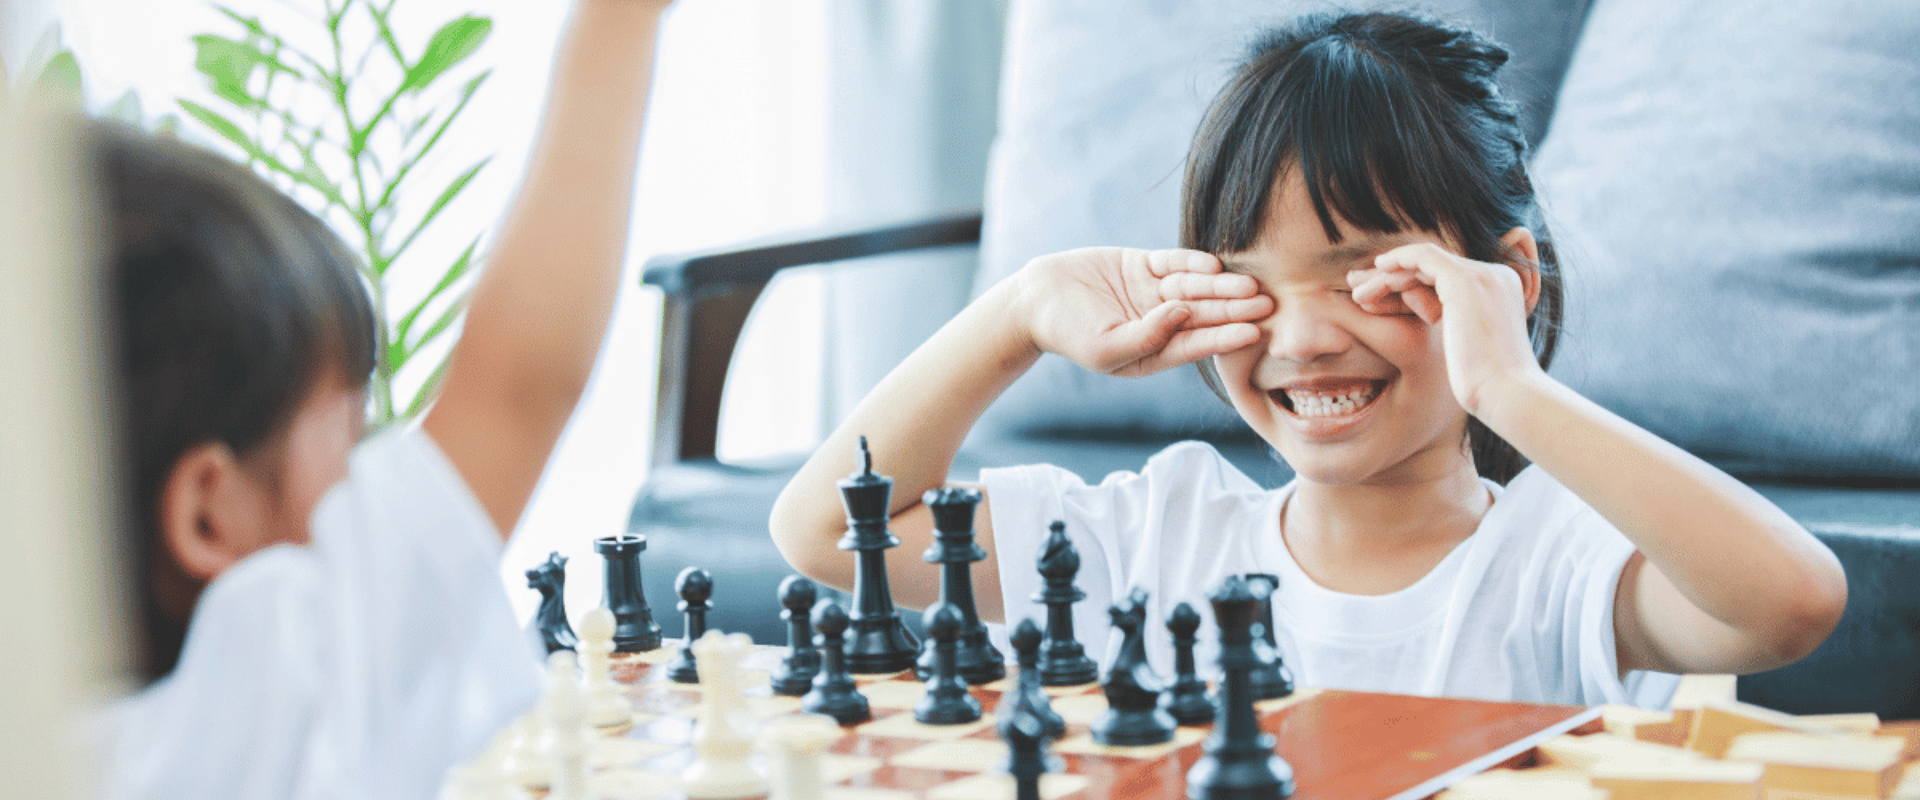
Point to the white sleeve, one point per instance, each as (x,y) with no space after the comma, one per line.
(363,665)
(1592,560)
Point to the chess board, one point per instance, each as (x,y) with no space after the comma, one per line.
(1340,744)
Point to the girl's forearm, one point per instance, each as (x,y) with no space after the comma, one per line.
(1727,550)
(914,422)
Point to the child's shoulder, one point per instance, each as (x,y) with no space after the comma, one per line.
(1536,506)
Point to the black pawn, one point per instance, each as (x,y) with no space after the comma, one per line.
(1027,692)
(881,642)
(551,579)
(1239,763)
(1272,680)
(947,701)
(955,550)
(1063,662)
(1027,758)
(834,692)
(794,675)
(694,586)
(634,630)
(1133,715)
(1187,701)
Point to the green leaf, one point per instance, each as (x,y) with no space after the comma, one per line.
(61,78)
(127,109)
(450,45)
(232,133)
(446,196)
(406,165)
(459,268)
(429,390)
(440,325)
(229,65)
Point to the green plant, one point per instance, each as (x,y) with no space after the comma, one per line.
(53,70)
(354,164)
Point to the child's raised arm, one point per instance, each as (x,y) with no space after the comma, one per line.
(540,309)
(1122,312)
(1724,581)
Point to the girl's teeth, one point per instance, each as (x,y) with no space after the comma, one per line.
(1329,405)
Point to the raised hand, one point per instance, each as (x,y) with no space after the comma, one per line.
(1130,312)
(1481,309)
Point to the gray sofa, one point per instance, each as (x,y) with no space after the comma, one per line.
(1737,188)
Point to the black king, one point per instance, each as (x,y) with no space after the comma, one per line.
(879,642)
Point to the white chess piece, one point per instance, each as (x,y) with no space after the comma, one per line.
(796,743)
(722,743)
(606,706)
(486,776)
(566,709)
(526,759)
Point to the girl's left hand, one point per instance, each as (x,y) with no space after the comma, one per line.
(1481,309)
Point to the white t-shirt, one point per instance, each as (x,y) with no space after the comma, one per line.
(1522,610)
(360,666)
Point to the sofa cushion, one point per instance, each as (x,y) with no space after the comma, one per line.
(1098,101)
(1738,187)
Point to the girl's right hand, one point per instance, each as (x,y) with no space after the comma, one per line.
(1128,312)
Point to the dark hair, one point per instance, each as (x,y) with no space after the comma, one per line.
(1393,122)
(228,302)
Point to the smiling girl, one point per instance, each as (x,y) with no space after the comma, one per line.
(1368,283)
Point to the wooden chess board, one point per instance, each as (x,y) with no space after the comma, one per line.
(1340,744)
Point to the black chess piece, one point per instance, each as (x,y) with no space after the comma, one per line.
(881,642)
(834,692)
(634,630)
(947,701)
(1063,661)
(1027,756)
(794,675)
(1239,762)
(1187,701)
(955,550)
(694,586)
(1133,715)
(551,579)
(1272,680)
(1027,691)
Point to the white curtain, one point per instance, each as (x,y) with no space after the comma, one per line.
(912,89)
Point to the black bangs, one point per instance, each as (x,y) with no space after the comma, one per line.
(1373,133)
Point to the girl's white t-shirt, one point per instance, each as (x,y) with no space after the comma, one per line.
(363,665)
(1522,610)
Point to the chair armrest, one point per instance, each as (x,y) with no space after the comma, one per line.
(755,262)
(708,295)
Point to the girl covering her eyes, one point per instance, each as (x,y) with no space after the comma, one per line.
(1365,277)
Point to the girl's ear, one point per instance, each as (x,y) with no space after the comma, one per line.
(211,513)
(1519,241)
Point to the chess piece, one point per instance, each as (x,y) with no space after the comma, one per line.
(1027,757)
(722,739)
(794,675)
(526,762)
(881,642)
(634,630)
(795,743)
(606,706)
(1133,715)
(566,744)
(834,692)
(947,701)
(1271,680)
(694,586)
(1027,692)
(955,550)
(551,579)
(1063,662)
(1187,701)
(1239,763)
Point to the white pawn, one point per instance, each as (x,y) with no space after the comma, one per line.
(722,743)
(526,761)
(486,776)
(796,743)
(606,706)
(566,709)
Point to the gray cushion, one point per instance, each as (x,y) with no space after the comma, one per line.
(1099,99)
(1740,184)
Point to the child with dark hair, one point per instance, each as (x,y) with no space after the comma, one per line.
(1366,279)
(316,616)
